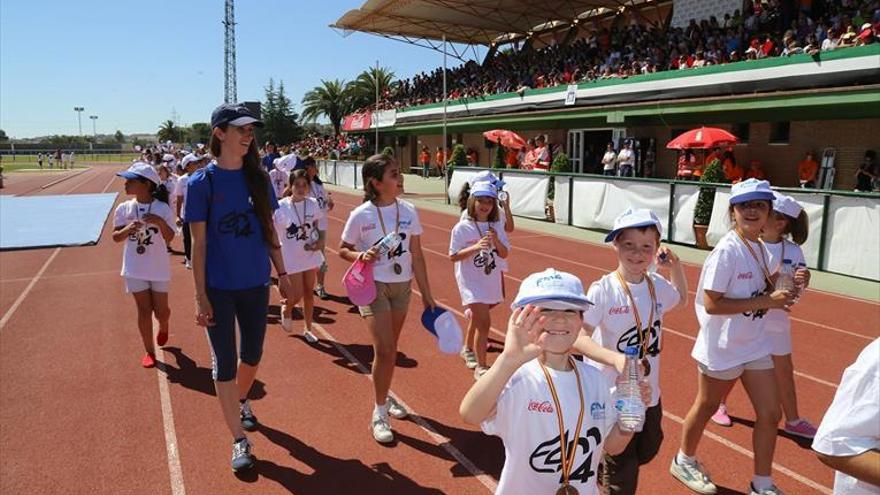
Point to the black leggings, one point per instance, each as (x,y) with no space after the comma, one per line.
(187,241)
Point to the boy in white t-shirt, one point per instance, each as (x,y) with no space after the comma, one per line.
(628,308)
(848,439)
(555,415)
(190,164)
(145,224)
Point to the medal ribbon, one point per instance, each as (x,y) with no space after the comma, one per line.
(567,457)
(644,334)
(305,211)
(396,219)
(762,263)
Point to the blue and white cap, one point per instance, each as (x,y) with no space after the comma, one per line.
(634,217)
(484,189)
(443,325)
(141,170)
(487,176)
(786,205)
(750,190)
(552,289)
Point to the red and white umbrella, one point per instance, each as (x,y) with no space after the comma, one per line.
(508,139)
(702,138)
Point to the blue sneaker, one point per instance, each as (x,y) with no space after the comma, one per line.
(241,455)
(248,420)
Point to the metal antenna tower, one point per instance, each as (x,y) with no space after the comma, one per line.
(230,95)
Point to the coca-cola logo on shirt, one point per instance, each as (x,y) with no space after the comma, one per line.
(620,310)
(544,407)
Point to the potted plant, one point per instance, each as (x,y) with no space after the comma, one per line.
(458,159)
(388,151)
(561,164)
(705,202)
(498,161)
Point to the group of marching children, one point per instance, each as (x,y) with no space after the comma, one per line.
(557,415)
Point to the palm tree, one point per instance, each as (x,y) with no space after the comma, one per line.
(363,88)
(169,132)
(332,100)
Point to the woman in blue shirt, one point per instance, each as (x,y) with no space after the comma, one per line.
(229,206)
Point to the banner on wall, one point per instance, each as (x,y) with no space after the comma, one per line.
(528,194)
(357,121)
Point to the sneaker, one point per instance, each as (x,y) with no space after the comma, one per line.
(162,338)
(479,371)
(310,337)
(148,361)
(248,420)
(286,322)
(395,409)
(769,491)
(381,429)
(801,428)
(693,477)
(241,455)
(188,264)
(470,359)
(720,417)
(321,293)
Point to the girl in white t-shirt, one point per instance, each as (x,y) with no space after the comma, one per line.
(279,177)
(325,202)
(383,213)
(145,224)
(783,234)
(169,180)
(734,293)
(296,221)
(475,244)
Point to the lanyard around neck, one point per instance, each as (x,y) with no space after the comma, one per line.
(396,218)
(305,211)
(566,456)
(643,332)
(762,263)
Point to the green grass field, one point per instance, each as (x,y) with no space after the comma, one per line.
(29,162)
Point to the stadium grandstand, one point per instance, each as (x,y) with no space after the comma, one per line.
(785,77)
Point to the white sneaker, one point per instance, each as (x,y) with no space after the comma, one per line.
(381,429)
(310,337)
(693,477)
(188,264)
(770,491)
(394,409)
(470,359)
(286,323)
(479,371)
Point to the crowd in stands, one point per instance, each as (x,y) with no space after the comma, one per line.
(762,29)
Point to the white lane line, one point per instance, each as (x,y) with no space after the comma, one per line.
(61,276)
(748,453)
(74,188)
(175,471)
(606,269)
(27,289)
(438,439)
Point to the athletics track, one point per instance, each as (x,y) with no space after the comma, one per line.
(79,415)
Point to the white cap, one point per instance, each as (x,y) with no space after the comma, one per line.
(750,190)
(786,205)
(448,333)
(484,189)
(287,162)
(486,176)
(552,289)
(190,158)
(141,170)
(167,157)
(634,217)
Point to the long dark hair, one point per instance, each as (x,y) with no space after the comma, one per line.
(257,180)
(157,191)
(463,196)
(310,162)
(798,228)
(374,168)
(296,174)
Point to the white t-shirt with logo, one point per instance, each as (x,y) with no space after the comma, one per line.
(181,194)
(318,192)
(279,179)
(297,225)
(851,425)
(154,263)
(727,341)
(363,230)
(615,325)
(525,420)
(502,221)
(474,284)
(777,320)
(171,186)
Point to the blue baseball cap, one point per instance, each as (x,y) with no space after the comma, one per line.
(552,289)
(632,218)
(234,114)
(484,190)
(750,190)
(443,325)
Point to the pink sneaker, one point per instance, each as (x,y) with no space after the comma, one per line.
(720,417)
(801,428)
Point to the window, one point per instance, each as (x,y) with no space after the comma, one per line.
(674,133)
(741,130)
(779,132)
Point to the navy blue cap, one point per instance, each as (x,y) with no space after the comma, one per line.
(234,114)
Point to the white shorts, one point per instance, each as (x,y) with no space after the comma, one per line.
(779,342)
(133,285)
(763,363)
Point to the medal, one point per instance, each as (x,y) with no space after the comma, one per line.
(397,268)
(502,196)
(643,333)
(646,365)
(141,250)
(487,269)
(567,490)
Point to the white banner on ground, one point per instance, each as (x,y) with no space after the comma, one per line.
(560,199)
(588,197)
(459,178)
(813,204)
(528,193)
(345,174)
(853,234)
(720,222)
(325,170)
(621,195)
(683,213)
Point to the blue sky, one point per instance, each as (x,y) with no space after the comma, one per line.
(132,63)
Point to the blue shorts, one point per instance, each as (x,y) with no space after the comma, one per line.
(249,307)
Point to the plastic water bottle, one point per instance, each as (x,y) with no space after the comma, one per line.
(786,277)
(628,397)
(799,288)
(389,242)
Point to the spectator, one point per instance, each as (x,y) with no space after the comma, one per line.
(425,161)
(756,170)
(609,161)
(440,158)
(531,157)
(687,161)
(627,159)
(473,157)
(542,154)
(867,175)
(512,158)
(807,171)
(733,172)
(270,153)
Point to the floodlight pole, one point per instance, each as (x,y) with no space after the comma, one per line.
(94,129)
(445,100)
(79,111)
(376,113)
